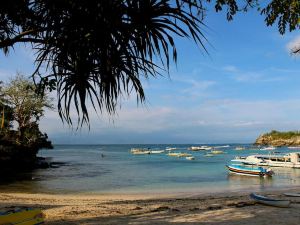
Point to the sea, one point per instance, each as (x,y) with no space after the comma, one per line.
(112,169)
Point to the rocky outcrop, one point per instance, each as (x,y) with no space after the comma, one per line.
(275,140)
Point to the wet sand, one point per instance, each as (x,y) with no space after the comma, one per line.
(175,208)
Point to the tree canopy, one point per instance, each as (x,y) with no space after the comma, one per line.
(27,106)
(99,50)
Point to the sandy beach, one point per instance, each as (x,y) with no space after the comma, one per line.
(176,208)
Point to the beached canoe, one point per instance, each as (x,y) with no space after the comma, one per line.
(292,194)
(249,171)
(270,201)
(25,216)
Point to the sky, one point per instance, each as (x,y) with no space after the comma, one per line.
(246,85)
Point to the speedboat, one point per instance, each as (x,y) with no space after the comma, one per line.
(250,171)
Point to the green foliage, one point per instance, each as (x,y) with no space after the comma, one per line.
(283,135)
(27,106)
(100,50)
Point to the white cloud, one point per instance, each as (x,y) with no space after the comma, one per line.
(219,120)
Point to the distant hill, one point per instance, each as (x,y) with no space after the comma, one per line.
(277,138)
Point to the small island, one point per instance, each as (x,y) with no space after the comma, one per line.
(277,138)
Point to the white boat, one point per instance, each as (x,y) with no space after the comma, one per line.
(290,160)
(268,148)
(292,194)
(190,158)
(199,148)
(270,201)
(216,152)
(240,148)
(157,151)
(170,149)
(174,154)
(250,171)
(141,152)
(222,146)
(209,155)
(294,147)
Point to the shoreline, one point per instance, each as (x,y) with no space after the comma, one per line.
(179,208)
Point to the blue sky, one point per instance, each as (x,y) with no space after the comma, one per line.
(248,84)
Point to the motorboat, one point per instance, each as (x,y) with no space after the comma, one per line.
(290,160)
(240,148)
(249,171)
(270,201)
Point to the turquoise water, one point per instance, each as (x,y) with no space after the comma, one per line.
(83,169)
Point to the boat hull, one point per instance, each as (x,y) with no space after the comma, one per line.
(248,172)
(270,201)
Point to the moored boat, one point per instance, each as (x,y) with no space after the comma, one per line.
(250,171)
(190,158)
(270,201)
(157,151)
(170,148)
(291,160)
(216,152)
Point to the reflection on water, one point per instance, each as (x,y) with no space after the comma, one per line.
(84,169)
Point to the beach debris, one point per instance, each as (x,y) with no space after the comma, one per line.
(137,208)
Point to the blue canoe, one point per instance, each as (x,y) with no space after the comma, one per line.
(249,171)
(270,201)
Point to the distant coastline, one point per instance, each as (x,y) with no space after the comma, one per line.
(278,139)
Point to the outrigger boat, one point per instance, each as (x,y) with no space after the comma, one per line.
(270,201)
(250,171)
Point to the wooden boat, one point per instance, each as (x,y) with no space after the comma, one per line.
(26,216)
(250,171)
(270,201)
(292,194)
